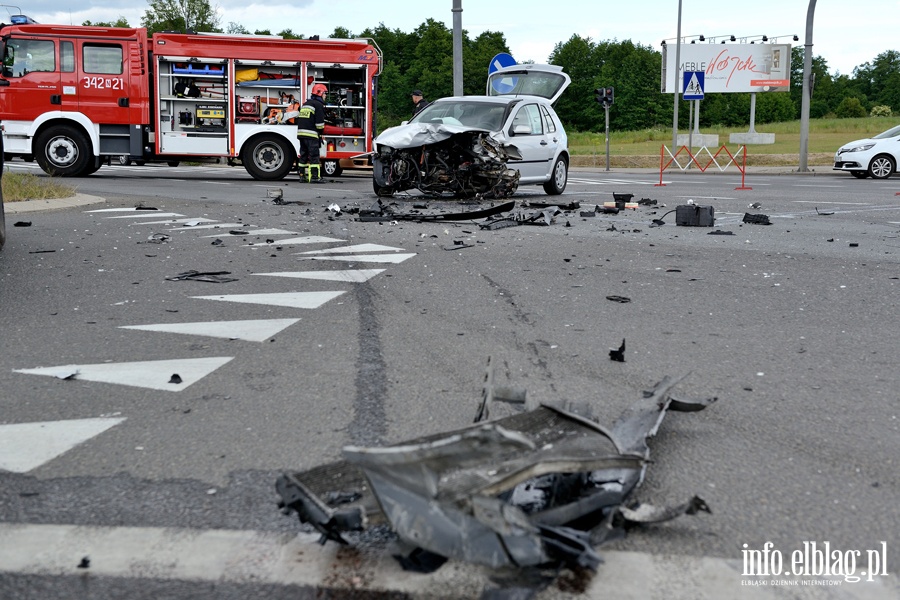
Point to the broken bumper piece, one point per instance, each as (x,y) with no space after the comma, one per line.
(538,488)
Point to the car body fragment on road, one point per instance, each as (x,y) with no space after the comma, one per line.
(542,487)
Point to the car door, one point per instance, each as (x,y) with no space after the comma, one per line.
(527,133)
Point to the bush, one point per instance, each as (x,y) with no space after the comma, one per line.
(850,108)
(881,111)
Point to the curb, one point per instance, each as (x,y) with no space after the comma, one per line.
(13,208)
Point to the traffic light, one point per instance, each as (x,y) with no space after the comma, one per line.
(604,95)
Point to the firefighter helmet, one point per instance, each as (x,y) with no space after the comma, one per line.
(319,90)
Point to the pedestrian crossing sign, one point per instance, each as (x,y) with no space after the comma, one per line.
(693,85)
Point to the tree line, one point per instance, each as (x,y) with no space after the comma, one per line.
(423,59)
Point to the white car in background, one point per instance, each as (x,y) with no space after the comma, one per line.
(875,157)
(467,146)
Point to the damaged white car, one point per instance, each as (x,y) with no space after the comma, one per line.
(470,146)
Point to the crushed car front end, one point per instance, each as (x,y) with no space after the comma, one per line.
(443,160)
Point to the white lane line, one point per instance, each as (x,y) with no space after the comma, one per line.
(609,181)
(258,232)
(132,209)
(349,275)
(186,223)
(152,374)
(291,299)
(355,248)
(818,202)
(309,239)
(215,226)
(26,446)
(364,258)
(265,558)
(152,214)
(251,330)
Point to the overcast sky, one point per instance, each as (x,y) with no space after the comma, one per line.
(845,34)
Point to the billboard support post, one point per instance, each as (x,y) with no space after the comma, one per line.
(677,79)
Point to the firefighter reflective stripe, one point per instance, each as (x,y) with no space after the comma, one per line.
(311,119)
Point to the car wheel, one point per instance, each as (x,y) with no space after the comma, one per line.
(332,168)
(881,167)
(382,191)
(124,160)
(173,163)
(558,178)
(860,174)
(64,151)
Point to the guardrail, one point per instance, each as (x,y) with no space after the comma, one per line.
(713,160)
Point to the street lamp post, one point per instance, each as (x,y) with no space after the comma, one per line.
(457,49)
(807,89)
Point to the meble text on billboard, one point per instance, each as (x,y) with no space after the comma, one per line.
(730,67)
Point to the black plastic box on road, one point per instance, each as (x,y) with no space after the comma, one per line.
(691,215)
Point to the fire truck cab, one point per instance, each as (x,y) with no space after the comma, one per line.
(77,97)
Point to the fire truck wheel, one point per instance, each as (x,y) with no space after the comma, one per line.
(64,151)
(332,168)
(268,157)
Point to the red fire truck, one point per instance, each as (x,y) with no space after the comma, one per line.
(78,97)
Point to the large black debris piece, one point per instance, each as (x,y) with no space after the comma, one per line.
(692,215)
(538,488)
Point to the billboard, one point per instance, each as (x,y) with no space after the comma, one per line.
(730,67)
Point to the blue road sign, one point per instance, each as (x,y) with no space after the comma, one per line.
(692,85)
(507,84)
(501,60)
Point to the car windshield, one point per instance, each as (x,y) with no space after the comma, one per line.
(890,133)
(483,115)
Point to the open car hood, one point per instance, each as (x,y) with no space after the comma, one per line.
(413,135)
(545,81)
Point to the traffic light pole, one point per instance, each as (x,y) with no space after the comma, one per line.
(606,106)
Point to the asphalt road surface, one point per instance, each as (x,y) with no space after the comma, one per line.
(319,330)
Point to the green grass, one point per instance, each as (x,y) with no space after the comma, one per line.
(628,148)
(18,187)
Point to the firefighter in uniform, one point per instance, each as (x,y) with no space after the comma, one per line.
(310,128)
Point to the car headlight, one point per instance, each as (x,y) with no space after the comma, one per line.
(861,148)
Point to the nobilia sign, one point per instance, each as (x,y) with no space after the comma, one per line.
(730,67)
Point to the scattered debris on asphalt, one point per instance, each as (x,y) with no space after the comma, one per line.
(694,215)
(546,216)
(383,212)
(756,219)
(176,378)
(618,354)
(22,224)
(755,205)
(720,232)
(209,276)
(620,299)
(535,491)
(824,214)
(157,238)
